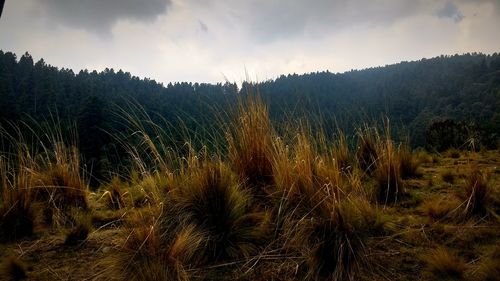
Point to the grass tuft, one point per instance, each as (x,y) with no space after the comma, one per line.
(367,153)
(211,198)
(388,173)
(80,231)
(331,247)
(443,265)
(250,144)
(477,192)
(13,270)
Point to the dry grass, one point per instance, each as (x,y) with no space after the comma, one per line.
(113,194)
(409,163)
(489,266)
(477,192)
(274,207)
(330,245)
(367,153)
(81,228)
(250,144)
(388,172)
(444,265)
(441,208)
(210,198)
(16,208)
(147,256)
(13,269)
(448,176)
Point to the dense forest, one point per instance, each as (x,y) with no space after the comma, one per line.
(440,102)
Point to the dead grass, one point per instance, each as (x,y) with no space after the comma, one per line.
(477,192)
(250,144)
(441,208)
(444,265)
(13,269)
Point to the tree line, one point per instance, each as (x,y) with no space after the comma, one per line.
(428,99)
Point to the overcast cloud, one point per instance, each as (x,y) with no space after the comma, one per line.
(207,40)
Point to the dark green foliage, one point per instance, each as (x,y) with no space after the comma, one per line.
(445,134)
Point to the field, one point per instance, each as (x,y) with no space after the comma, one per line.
(264,206)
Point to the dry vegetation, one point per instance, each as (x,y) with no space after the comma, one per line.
(274,207)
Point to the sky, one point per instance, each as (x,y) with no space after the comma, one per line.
(215,40)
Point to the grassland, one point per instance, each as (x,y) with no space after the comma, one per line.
(265,206)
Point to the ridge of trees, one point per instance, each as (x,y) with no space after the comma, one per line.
(413,95)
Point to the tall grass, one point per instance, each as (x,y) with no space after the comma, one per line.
(41,178)
(250,144)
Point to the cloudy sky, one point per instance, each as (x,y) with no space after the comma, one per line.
(210,40)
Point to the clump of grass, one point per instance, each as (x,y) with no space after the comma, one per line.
(81,229)
(13,270)
(113,194)
(150,253)
(250,144)
(452,153)
(477,192)
(388,173)
(17,218)
(331,247)
(60,179)
(440,208)
(341,153)
(143,257)
(367,153)
(408,162)
(448,176)
(489,267)
(210,198)
(442,264)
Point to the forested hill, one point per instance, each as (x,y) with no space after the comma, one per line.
(414,94)
(462,88)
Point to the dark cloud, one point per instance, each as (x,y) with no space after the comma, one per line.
(451,11)
(271,20)
(100,15)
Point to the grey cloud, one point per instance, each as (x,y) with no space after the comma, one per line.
(203,26)
(269,20)
(100,15)
(451,11)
